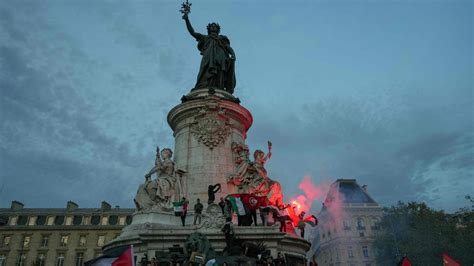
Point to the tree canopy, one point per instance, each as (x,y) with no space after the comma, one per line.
(423,234)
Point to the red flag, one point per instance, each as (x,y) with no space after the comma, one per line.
(125,259)
(120,256)
(448,261)
(404,262)
(253,202)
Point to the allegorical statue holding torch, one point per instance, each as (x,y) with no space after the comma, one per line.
(218,58)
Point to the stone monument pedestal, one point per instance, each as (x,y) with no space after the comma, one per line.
(205,126)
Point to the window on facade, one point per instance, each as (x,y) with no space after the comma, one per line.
(50,220)
(20,260)
(41,260)
(77,220)
(44,241)
(59,220)
(60,259)
(95,219)
(82,240)
(365,251)
(361,234)
(113,219)
(129,219)
(26,241)
(350,254)
(360,224)
(22,220)
(376,224)
(6,242)
(346,224)
(40,220)
(32,220)
(79,259)
(100,241)
(63,241)
(3,260)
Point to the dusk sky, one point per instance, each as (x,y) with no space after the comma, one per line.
(380,91)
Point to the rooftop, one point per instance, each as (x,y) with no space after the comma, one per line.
(348,191)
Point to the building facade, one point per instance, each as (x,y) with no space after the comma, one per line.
(57,236)
(348,224)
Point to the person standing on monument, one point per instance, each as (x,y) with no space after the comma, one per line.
(218,58)
(228,230)
(185,211)
(198,207)
(301,223)
(222,205)
(211,192)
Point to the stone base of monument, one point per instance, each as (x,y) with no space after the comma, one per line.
(152,238)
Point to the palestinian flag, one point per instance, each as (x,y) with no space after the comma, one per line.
(178,207)
(238,205)
(242,204)
(448,261)
(120,256)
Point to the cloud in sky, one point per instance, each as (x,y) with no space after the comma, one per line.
(381,92)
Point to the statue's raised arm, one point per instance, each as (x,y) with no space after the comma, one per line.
(190,27)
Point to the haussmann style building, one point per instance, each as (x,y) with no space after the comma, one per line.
(348,224)
(57,236)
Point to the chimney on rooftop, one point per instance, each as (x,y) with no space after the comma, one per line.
(71,206)
(16,206)
(105,206)
(364,188)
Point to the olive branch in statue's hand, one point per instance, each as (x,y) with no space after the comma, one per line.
(185,9)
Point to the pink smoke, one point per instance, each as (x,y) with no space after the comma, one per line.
(311,192)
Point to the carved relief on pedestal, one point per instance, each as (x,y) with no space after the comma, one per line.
(211,127)
(213,218)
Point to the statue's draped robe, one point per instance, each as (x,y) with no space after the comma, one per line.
(217,69)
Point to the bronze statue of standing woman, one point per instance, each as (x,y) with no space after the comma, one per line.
(218,58)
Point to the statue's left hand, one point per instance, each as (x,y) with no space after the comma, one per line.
(232,57)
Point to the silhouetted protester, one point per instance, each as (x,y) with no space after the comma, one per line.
(211,191)
(228,230)
(228,208)
(185,211)
(301,224)
(253,214)
(264,212)
(198,207)
(144,261)
(281,216)
(280,260)
(222,205)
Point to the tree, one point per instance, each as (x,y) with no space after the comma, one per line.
(423,234)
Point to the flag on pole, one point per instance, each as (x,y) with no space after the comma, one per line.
(404,262)
(120,256)
(448,261)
